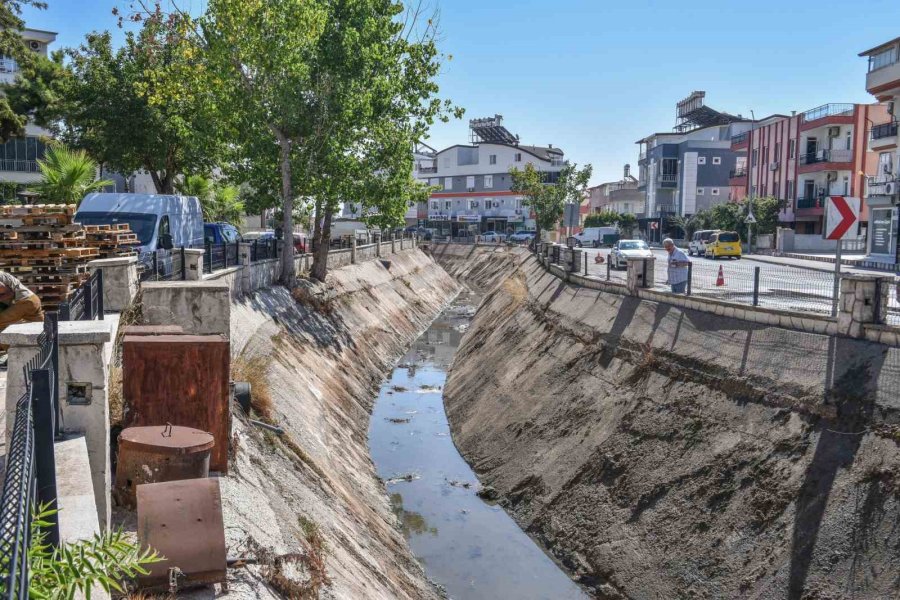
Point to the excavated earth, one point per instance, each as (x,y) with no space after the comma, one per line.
(310,500)
(661,453)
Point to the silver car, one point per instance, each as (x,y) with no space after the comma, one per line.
(625,249)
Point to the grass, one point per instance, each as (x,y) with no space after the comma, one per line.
(132,315)
(255,372)
(298,575)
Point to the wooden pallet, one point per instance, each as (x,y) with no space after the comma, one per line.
(36,209)
(118,227)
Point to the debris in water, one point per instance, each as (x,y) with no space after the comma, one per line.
(462,328)
(402,478)
(488,493)
(462,484)
(429,388)
(398,388)
(397,420)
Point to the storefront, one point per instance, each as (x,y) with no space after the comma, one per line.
(882,234)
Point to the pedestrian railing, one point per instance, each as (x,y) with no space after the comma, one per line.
(220,256)
(263,250)
(86,303)
(164,265)
(30,478)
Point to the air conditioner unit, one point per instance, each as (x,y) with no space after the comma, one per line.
(890,188)
(834,131)
(773,166)
(34,45)
(831,176)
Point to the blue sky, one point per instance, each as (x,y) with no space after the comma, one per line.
(592,76)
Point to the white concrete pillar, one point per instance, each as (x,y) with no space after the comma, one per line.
(85,350)
(199,307)
(193,263)
(246,275)
(353,251)
(858,301)
(120,281)
(640,274)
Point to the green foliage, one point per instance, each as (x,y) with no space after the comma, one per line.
(766,212)
(13,119)
(105,560)
(731,216)
(220,202)
(67,176)
(602,219)
(548,201)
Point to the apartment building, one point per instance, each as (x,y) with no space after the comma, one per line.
(622,196)
(883,82)
(19,156)
(687,170)
(474,192)
(802,158)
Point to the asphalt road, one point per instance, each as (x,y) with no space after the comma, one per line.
(780,287)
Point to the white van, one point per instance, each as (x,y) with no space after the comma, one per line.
(160,221)
(697,245)
(596,237)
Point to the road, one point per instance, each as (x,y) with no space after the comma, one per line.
(780,286)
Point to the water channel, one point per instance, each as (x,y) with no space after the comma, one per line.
(470,547)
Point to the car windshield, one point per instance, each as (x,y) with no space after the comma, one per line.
(636,245)
(142,224)
(704,237)
(729,237)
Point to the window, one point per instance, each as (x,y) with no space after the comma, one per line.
(435,205)
(754,157)
(518,157)
(792,148)
(518,203)
(626,208)
(470,181)
(777,156)
(753,190)
(717,160)
(492,159)
(447,204)
(885,167)
(699,191)
(849,140)
(701,160)
(883,58)
(473,204)
(488,181)
(789,190)
(714,191)
(448,183)
(434,181)
(846,185)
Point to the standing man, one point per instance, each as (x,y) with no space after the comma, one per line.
(677,267)
(18,304)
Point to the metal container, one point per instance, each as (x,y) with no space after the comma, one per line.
(182,521)
(157,454)
(153,330)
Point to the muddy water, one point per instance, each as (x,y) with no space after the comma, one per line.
(470,547)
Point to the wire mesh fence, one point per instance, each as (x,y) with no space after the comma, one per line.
(164,265)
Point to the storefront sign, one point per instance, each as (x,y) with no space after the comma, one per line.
(439,218)
(882,224)
(468,218)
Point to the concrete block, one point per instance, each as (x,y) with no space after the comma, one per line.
(193,259)
(120,281)
(199,307)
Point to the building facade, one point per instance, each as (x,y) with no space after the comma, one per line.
(19,156)
(473,186)
(622,196)
(883,82)
(802,158)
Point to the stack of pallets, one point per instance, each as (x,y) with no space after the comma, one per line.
(112,240)
(43,248)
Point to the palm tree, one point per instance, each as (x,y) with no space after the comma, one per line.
(228,205)
(219,202)
(67,175)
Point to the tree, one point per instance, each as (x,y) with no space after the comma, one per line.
(548,200)
(766,212)
(219,201)
(13,118)
(627,223)
(67,176)
(330,96)
(148,105)
(603,218)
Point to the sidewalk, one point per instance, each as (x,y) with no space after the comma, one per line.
(815,264)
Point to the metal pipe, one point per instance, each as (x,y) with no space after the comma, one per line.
(272,428)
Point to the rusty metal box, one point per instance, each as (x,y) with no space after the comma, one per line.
(182,521)
(183,380)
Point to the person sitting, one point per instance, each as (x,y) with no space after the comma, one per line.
(18,304)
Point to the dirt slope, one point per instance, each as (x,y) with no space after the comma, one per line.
(324,358)
(660,453)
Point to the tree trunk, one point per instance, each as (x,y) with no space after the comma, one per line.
(320,257)
(288,275)
(157,182)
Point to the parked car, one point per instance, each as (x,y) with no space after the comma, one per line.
(625,249)
(218,233)
(523,236)
(493,236)
(724,244)
(258,235)
(596,237)
(697,245)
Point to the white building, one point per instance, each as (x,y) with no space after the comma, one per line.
(18,156)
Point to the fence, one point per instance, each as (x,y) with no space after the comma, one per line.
(30,477)
(263,250)
(164,265)
(86,303)
(220,256)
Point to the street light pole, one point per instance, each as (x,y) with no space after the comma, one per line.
(750,185)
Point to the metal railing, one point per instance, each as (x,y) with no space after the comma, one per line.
(263,249)
(86,303)
(30,478)
(20,166)
(164,265)
(885,130)
(740,138)
(741,172)
(820,156)
(826,110)
(668,177)
(813,202)
(879,188)
(220,256)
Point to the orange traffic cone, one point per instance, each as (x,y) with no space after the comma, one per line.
(720,280)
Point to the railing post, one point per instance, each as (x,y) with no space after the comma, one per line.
(156,265)
(51,325)
(100,310)
(44,458)
(690,277)
(608,266)
(755,286)
(585,264)
(183,264)
(64,311)
(225,254)
(88,294)
(207,258)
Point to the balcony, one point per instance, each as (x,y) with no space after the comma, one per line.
(883,78)
(662,209)
(426,170)
(825,111)
(882,188)
(811,203)
(739,172)
(668,179)
(883,136)
(826,156)
(19,166)
(740,139)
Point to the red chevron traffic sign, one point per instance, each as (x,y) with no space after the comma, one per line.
(841,214)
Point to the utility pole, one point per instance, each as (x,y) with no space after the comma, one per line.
(750,218)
